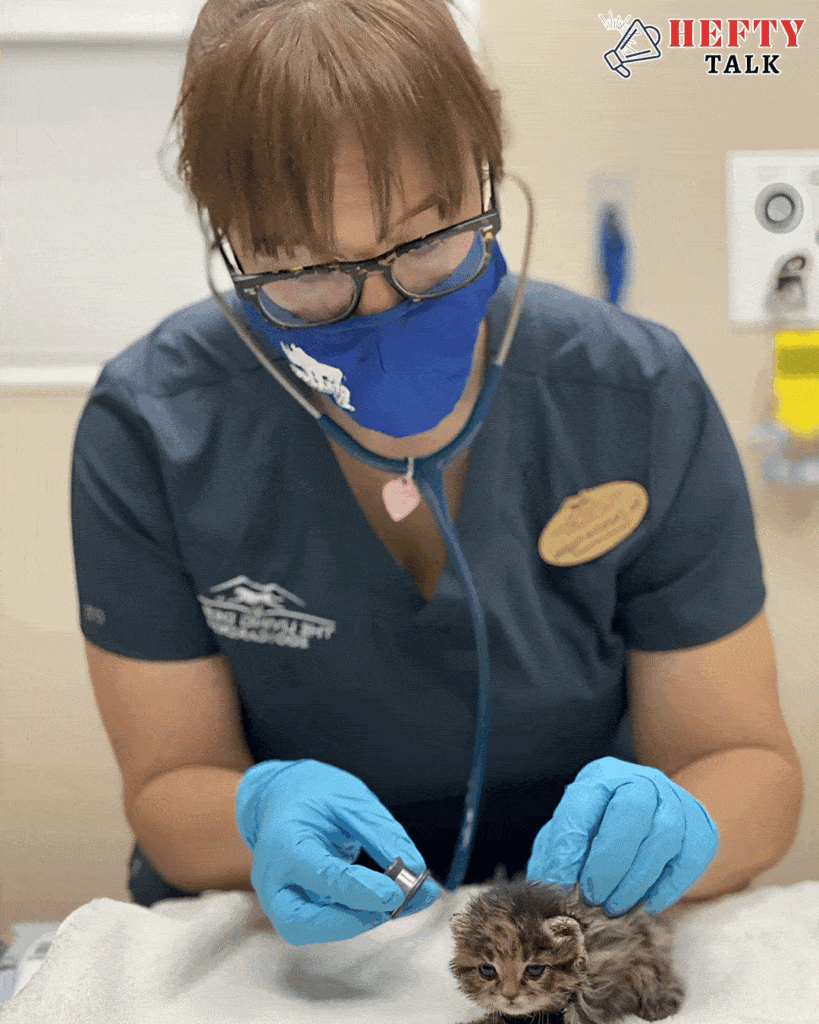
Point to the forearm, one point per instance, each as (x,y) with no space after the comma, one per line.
(754,796)
(185,823)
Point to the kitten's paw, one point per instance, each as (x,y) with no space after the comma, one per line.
(664,1003)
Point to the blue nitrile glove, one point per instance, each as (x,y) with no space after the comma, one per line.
(628,833)
(305,823)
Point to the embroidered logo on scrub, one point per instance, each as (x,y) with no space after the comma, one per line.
(592,522)
(245,610)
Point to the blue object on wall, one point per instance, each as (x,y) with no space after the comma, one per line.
(771,437)
(613,251)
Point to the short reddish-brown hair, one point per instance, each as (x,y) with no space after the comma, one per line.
(268,84)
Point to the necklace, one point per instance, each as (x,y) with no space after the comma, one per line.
(401,495)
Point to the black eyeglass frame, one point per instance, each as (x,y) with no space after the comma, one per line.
(248,286)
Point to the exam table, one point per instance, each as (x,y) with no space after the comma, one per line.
(751,958)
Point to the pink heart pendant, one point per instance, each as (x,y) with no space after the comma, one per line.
(400,498)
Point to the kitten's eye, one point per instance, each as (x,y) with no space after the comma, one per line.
(535,970)
(486,971)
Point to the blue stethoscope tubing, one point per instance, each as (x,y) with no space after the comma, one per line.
(428,475)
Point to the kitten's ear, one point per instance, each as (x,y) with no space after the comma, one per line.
(565,934)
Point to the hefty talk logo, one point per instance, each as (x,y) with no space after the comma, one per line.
(640,42)
(710,35)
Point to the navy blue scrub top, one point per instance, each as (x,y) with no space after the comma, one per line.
(209,514)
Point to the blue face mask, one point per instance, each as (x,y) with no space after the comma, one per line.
(400,371)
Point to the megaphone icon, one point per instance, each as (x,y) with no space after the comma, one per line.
(621,55)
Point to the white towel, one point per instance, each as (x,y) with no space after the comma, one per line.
(746,959)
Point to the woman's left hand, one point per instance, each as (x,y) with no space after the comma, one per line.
(627,833)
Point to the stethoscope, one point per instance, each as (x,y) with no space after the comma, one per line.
(428,475)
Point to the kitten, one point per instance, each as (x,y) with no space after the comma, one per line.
(537,948)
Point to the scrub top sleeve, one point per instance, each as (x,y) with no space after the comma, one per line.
(699,576)
(135,597)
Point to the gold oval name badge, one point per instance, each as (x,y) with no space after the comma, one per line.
(592,522)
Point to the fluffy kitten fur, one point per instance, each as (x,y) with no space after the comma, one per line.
(596,969)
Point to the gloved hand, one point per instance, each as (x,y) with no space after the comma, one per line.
(627,833)
(305,823)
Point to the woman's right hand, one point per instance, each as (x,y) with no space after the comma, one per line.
(305,823)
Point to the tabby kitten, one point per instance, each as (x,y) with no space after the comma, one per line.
(537,948)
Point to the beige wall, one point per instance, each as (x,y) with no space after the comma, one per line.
(667,130)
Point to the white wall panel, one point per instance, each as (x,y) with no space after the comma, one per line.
(83,19)
(97,246)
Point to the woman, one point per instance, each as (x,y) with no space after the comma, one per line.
(281,648)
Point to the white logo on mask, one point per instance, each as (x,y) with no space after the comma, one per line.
(326,379)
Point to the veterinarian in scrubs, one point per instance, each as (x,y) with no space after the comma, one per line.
(286,672)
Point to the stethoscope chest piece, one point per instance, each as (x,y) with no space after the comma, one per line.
(407,881)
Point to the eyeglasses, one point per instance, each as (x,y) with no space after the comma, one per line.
(426,268)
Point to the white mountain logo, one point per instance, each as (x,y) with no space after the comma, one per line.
(242,609)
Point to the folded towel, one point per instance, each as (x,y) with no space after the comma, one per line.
(746,959)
